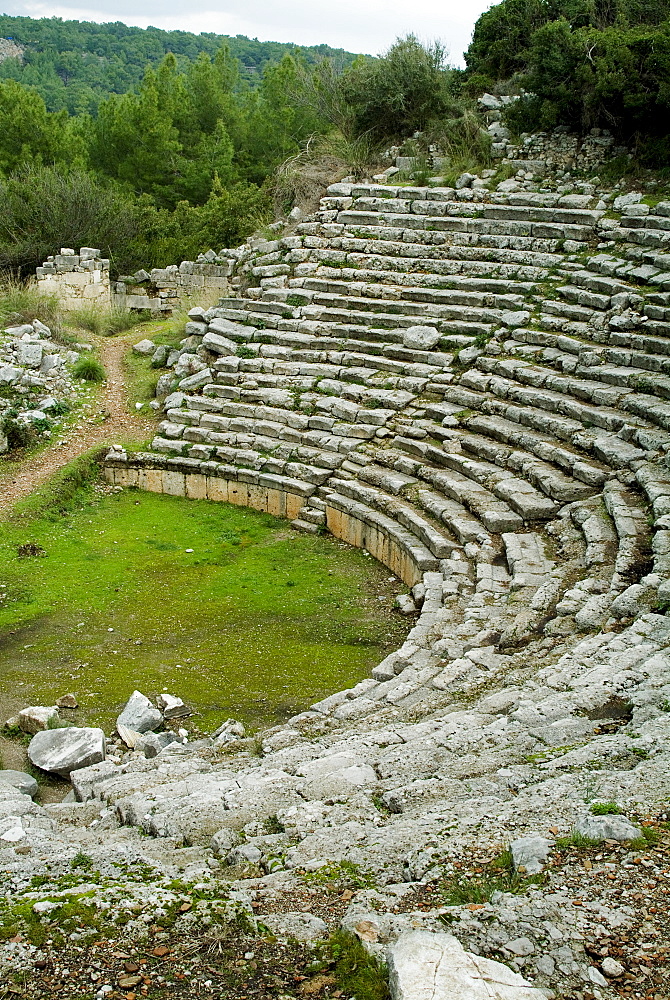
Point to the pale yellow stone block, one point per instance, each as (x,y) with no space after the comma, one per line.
(196,486)
(217,489)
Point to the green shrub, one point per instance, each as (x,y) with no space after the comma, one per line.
(89,369)
(605,809)
(18,434)
(399,93)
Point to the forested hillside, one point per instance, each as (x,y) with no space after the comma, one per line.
(169,153)
(74,65)
(584,63)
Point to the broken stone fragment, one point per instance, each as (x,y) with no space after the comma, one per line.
(425,966)
(25,783)
(60,751)
(67,701)
(530,853)
(171,707)
(139,714)
(36,718)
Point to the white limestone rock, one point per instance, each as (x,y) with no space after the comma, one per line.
(171,707)
(613,827)
(144,348)
(23,782)
(36,718)
(425,966)
(530,853)
(420,338)
(297,926)
(60,751)
(139,714)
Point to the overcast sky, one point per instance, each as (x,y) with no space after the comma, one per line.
(357,25)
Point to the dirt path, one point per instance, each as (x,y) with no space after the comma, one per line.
(121,423)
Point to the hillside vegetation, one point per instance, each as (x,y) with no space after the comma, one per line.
(582,63)
(74,65)
(191,156)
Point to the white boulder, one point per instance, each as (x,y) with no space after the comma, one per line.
(420,338)
(425,966)
(60,751)
(139,714)
(36,718)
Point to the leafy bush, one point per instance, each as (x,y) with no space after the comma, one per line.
(89,369)
(18,433)
(581,64)
(398,94)
(605,809)
(44,208)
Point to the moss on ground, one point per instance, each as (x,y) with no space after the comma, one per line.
(224,606)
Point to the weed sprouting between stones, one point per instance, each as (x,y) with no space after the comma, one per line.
(499,875)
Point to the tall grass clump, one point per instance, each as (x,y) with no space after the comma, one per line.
(106,322)
(89,369)
(21,302)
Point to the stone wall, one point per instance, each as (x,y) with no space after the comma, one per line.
(77,279)
(557,150)
(82,279)
(162,290)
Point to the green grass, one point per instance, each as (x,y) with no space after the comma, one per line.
(140,375)
(22,303)
(89,369)
(105,322)
(257,622)
(576,840)
(605,809)
(498,876)
(357,973)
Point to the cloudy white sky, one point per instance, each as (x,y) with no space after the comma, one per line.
(357,25)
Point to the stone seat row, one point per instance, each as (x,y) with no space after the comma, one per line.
(483,238)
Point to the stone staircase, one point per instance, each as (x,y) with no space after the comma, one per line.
(464,384)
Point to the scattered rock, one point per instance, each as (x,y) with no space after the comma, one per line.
(139,714)
(614,827)
(25,783)
(36,718)
(530,853)
(67,701)
(297,926)
(612,968)
(60,751)
(171,707)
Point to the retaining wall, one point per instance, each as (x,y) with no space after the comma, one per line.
(272,494)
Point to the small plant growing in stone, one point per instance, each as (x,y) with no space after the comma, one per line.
(245,352)
(576,840)
(605,809)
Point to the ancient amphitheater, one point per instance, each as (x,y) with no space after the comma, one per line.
(472,386)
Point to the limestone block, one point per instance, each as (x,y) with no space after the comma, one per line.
(425,966)
(61,751)
(139,714)
(614,827)
(36,718)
